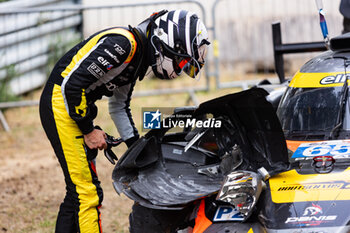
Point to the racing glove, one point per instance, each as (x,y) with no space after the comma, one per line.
(111,142)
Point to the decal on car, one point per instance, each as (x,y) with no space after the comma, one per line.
(312,80)
(314,186)
(291,186)
(336,148)
(312,216)
(227,213)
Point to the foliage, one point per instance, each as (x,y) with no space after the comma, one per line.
(58,46)
(5,91)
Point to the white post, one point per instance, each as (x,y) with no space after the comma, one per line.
(4,122)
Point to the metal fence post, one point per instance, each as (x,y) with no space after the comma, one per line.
(215,47)
(4,122)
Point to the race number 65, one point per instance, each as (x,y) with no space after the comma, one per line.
(337,150)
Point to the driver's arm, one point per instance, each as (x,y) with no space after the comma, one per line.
(119,109)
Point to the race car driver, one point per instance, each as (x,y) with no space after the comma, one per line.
(108,63)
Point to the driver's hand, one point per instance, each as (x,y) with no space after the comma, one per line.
(96,139)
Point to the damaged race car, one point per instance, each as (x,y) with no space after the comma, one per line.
(314,114)
(180,173)
(259,171)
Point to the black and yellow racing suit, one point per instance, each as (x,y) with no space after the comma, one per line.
(100,65)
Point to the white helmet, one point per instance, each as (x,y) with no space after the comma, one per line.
(179,42)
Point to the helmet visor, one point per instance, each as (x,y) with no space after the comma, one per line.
(190,65)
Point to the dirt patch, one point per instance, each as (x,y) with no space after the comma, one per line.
(32,184)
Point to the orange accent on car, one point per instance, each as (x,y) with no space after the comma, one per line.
(201,222)
(293,145)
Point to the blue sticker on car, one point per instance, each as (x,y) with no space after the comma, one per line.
(227,213)
(336,148)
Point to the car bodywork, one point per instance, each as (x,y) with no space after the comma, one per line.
(314,114)
(157,172)
(309,190)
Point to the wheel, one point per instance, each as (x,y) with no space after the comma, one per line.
(146,220)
